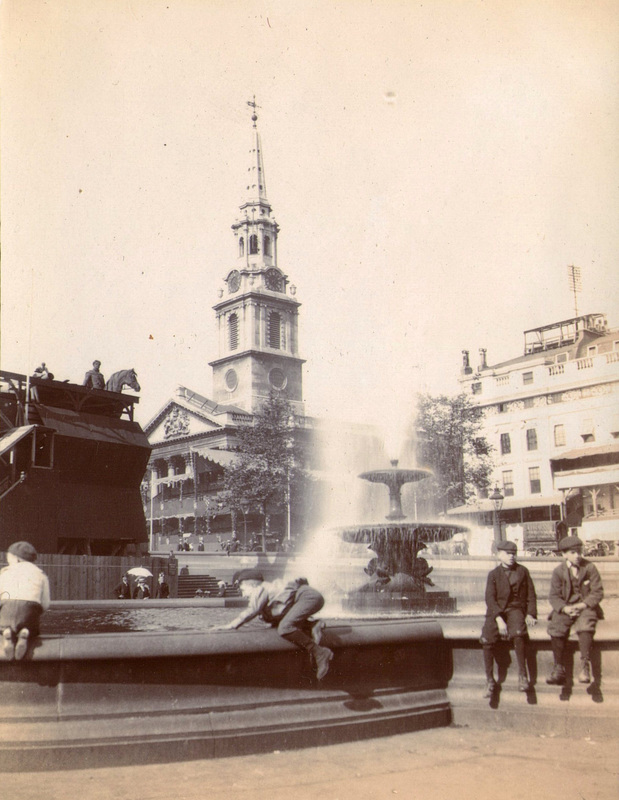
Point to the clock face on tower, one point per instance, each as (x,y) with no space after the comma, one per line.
(234,281)
(273,280)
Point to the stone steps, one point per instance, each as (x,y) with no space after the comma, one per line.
(188,585)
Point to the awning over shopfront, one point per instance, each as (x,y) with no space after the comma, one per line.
(594,476)
(509,504)
(588,452)
(222,457)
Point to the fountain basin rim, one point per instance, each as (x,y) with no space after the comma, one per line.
(428,532)
(395,475)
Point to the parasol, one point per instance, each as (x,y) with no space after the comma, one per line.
(140,572)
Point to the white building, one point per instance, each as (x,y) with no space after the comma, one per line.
(552,415)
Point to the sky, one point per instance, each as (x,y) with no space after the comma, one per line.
(434,168)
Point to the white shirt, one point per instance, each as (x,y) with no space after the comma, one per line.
(24,581)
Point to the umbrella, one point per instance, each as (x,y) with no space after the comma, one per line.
(140,572)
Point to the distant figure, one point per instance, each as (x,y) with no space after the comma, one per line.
(93,378)
(201,544)
(162,591)
(184,570)
(122,378)
(123,591)
(43,372)
(221,588)
(24,596)
(141,591)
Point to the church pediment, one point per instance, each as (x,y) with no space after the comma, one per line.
(177,422)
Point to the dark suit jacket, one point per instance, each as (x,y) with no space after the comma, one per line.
(589,582)
(498,591)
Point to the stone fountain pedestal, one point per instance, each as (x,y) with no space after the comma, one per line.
(398,576)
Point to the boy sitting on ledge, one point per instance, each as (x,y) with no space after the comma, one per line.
(286,609)
(576,592)
(24,596)
(511,608)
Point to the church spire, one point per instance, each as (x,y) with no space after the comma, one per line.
(256,184)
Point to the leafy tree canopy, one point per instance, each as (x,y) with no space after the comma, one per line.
(452,445)
(265,463)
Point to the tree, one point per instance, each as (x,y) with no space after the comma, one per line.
(451,444)
(267,463)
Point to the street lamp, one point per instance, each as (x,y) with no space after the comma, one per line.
(244,504)
(497,503)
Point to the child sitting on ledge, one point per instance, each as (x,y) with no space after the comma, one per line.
(24,596)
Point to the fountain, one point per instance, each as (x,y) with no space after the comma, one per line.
(398,576)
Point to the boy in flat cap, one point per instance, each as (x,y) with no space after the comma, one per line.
(576,592)
(24,596)
(511,608)
(288,609)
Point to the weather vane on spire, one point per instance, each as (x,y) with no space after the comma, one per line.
(254,105)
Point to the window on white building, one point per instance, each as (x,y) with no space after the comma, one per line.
(527,378)
(531,439)
(559,435)
(534,480)
(476,387)
(506,445)
(587,430)
(508,483)
(253,244)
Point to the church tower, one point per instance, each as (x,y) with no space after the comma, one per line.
(257,317)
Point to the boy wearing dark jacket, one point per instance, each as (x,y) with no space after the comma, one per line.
(576,592)
(511,606)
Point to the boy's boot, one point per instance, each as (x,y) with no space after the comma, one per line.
(585,642)
(557,676)
(322,658)
(22,644)
(317,630)
(489,669)
(523,680)
(584,676)
(8,644)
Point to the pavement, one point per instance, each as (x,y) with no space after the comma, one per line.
(453,763)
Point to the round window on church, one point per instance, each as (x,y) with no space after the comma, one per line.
(277,378)
(232,380)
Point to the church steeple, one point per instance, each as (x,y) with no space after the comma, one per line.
(256,230)
(256,186)
(258,319)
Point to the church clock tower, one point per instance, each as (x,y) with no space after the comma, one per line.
(257,317)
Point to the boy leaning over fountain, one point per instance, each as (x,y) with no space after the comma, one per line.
(288,609)
(576,592)
(511,608)
(24,596)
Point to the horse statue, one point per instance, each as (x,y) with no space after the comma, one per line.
(125,377)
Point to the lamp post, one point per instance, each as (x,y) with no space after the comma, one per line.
(497,503)
(244,504)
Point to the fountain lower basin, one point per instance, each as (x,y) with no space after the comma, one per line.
(97,699)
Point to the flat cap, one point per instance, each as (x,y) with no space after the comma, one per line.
(510,547)
(569,543)
(23,550)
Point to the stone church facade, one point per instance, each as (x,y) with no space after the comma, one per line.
(193,437)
